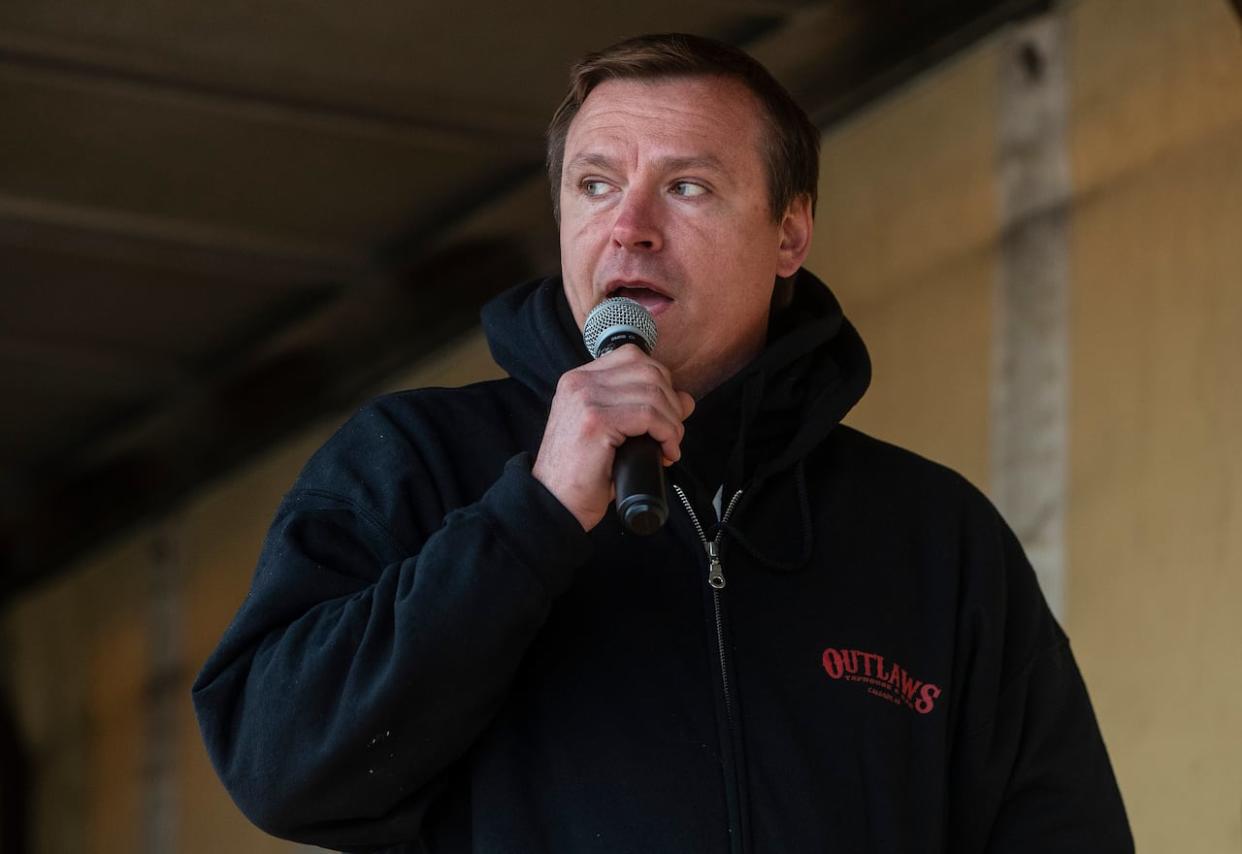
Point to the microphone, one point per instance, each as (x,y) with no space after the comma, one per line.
(637,471)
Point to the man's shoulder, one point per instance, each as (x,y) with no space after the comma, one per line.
(880,455)
(484,396)
(899,472)
(393,429)
(485,405)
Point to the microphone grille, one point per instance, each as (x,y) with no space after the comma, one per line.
(618,315)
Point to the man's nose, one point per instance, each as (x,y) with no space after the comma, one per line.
(637,225)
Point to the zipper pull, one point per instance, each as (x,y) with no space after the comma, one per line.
(715,573)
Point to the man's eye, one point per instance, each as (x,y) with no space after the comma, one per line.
(688,189)
(594,188)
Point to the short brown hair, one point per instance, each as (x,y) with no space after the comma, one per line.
(791,146)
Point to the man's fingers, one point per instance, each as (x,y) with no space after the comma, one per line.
(643,418)
(687,404)
(642,392)
(632,357)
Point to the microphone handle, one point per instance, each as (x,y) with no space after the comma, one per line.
(638,472)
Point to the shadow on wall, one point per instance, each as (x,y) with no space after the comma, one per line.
(14,783)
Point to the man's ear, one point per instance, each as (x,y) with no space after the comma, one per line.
(795,233)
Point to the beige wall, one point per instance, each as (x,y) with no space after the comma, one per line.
(908,237)
(1155,540)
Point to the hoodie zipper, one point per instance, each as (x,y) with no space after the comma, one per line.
(715,572)
(716,580)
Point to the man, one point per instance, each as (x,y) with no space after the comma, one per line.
(451,645)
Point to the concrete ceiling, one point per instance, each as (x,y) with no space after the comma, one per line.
(219,220)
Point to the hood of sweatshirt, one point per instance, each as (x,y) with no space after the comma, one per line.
(754,430)
(533,336)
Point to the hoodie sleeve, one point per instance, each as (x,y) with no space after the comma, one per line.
(1030,772)
(379,638)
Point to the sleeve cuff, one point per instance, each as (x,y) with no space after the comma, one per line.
(535,526)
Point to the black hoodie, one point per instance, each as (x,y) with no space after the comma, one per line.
(435,657)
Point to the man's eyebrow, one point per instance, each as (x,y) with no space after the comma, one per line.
(699,161)
(590,160)
(665,164)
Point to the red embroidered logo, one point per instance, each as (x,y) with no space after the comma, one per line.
(888,681)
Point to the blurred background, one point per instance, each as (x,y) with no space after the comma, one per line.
(223,226)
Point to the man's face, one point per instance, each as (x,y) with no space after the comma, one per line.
(664,198)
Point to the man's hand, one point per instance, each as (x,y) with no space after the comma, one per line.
(596,408)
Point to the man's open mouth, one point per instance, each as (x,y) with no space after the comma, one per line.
(653,301)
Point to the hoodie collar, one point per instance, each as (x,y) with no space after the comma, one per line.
(814,356)
(532,334)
